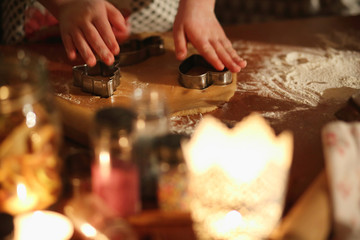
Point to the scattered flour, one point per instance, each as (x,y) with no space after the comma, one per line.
(68,97)
(302,75)
(184,124)
(298,74)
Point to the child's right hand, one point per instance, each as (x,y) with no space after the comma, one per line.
(91,26)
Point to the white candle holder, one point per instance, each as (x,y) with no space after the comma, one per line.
(238,178)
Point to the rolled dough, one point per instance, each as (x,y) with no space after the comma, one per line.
(160,72)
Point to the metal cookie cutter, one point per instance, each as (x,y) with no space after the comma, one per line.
(101,80)
(195,72)
(135,50)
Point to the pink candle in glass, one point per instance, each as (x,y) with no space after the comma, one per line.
(118,186)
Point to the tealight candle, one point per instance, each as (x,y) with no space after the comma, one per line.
(42,225)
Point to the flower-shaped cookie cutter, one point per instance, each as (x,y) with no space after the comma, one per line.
(100,80)
(196,73)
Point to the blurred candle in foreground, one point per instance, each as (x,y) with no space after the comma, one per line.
(114,175)
(237,178)
(23,201)
(30,130)
(42,225)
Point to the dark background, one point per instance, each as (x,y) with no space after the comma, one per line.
(250,11)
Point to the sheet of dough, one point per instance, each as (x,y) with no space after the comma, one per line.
(160,72)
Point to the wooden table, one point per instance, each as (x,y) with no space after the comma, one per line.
(306,125)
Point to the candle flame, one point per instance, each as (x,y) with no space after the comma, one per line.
(104,158)
(21,191)
(104,163)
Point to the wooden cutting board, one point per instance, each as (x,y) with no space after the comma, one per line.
(159,72)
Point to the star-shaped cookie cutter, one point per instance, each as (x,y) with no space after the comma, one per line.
(102,80)
(196,73)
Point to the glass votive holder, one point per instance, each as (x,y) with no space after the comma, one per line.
(172,182)
(30,135)
(151,123)
(237,178)
(114,173)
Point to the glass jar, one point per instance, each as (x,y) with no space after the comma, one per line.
(151,123)
(114,174)
(30,135)
(173,180)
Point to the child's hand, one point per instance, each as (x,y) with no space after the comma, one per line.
(90,26)
(196,22)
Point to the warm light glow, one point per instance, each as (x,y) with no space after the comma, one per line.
(30,119)
(24,200)
(30,115)
(4,92)
(228,223)
(88,230)
(104,158)
(245,167)
(42,225)
(21,191)
(233,217)
(124,142)
(155,97)
(140,123)
(215,145)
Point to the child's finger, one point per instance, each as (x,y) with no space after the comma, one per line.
(94,39)
(107,35)
(120,35)
(225,57)
(209,53)
(83,48)
(69,46)
(180,44)
(230,50)
(116,19)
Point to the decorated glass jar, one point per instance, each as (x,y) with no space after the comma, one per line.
(30,135)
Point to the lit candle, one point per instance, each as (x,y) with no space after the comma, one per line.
(42,225)
(23,201)
(116,184)
(237,178)
(114,174)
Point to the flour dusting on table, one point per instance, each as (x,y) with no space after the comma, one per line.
(303,74)
(299,74)
(184,124)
